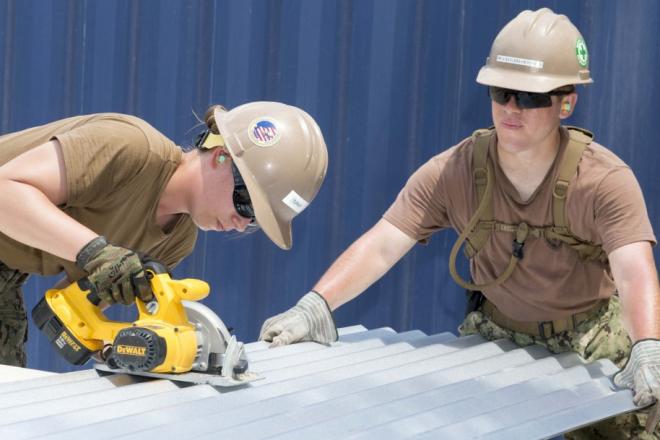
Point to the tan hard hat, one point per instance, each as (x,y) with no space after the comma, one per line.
(281,155)
(537,51)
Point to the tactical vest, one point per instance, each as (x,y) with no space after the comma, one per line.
(482,224)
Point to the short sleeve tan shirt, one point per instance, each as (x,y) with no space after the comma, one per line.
(117,167)
(604,206)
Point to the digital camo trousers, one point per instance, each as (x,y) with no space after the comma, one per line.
(13,319)
(600,337)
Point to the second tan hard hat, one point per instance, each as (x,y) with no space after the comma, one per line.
(537,51)
(282,157)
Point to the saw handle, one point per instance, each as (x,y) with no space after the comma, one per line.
(85,285)
(151,268)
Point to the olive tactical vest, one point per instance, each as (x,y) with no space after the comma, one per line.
(482,224)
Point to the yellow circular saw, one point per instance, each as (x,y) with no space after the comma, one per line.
(174,337)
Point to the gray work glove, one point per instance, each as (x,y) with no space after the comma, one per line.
(309,320)
(642,372)
(115,274)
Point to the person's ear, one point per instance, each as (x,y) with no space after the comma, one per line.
(220,156)
(567,105)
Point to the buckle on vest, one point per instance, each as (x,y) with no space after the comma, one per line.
(542,327)
(560,190)
(480,176)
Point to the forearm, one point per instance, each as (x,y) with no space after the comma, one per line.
(363,263)
(641,308)
(31,218)
(350,275)
(636,280)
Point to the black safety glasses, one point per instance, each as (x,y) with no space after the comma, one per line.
(241,197)
(200,138)
(525,100)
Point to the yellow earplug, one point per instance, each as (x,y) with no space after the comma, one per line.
(566,107)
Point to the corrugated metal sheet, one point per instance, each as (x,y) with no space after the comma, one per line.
(376,384)
(391,83)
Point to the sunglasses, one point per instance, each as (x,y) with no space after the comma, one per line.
(525,100)
(241,197)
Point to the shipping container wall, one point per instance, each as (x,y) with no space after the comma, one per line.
(390,82)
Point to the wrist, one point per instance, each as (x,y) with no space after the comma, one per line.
(327,304)
(315,303)
(646,342)
(330,299)
(90,250)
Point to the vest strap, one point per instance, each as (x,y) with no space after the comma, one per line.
(481,174)
(577,143)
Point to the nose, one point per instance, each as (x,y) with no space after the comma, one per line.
(511,105)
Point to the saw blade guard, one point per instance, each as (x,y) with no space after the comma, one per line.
(217,349)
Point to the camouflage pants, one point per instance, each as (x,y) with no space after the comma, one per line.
(13,319)
(602,336)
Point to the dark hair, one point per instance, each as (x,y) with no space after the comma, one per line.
(209,119)
(208,123)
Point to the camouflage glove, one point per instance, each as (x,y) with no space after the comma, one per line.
(115,273)
(642,372)
(309,320)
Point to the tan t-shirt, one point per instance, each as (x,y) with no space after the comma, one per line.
(117,167)
(604,206)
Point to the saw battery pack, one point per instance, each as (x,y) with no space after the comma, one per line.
(65,342)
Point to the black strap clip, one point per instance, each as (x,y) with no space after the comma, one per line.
(518,249)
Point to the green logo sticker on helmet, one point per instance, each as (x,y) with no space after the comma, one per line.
(582,52)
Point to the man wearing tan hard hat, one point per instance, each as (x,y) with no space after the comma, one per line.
(553,223)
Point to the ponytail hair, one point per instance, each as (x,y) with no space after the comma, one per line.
(208,123)
(209,118)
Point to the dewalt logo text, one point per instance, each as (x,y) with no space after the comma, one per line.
(131,350)
(64,338)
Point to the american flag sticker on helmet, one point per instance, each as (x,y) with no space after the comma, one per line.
(264,132)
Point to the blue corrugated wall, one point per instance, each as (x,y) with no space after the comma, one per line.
(390,82)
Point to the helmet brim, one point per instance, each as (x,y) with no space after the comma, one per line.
(525,81)
(279,231)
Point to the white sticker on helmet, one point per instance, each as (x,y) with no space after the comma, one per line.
(535,64)
(264,132)
(295,202)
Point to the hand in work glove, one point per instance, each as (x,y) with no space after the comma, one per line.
(116,274)
(309,320)
(642,372)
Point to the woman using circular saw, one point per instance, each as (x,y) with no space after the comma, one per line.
(89,195)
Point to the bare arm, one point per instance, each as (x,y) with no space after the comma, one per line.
(31,187)
(363,263)
(636,280)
